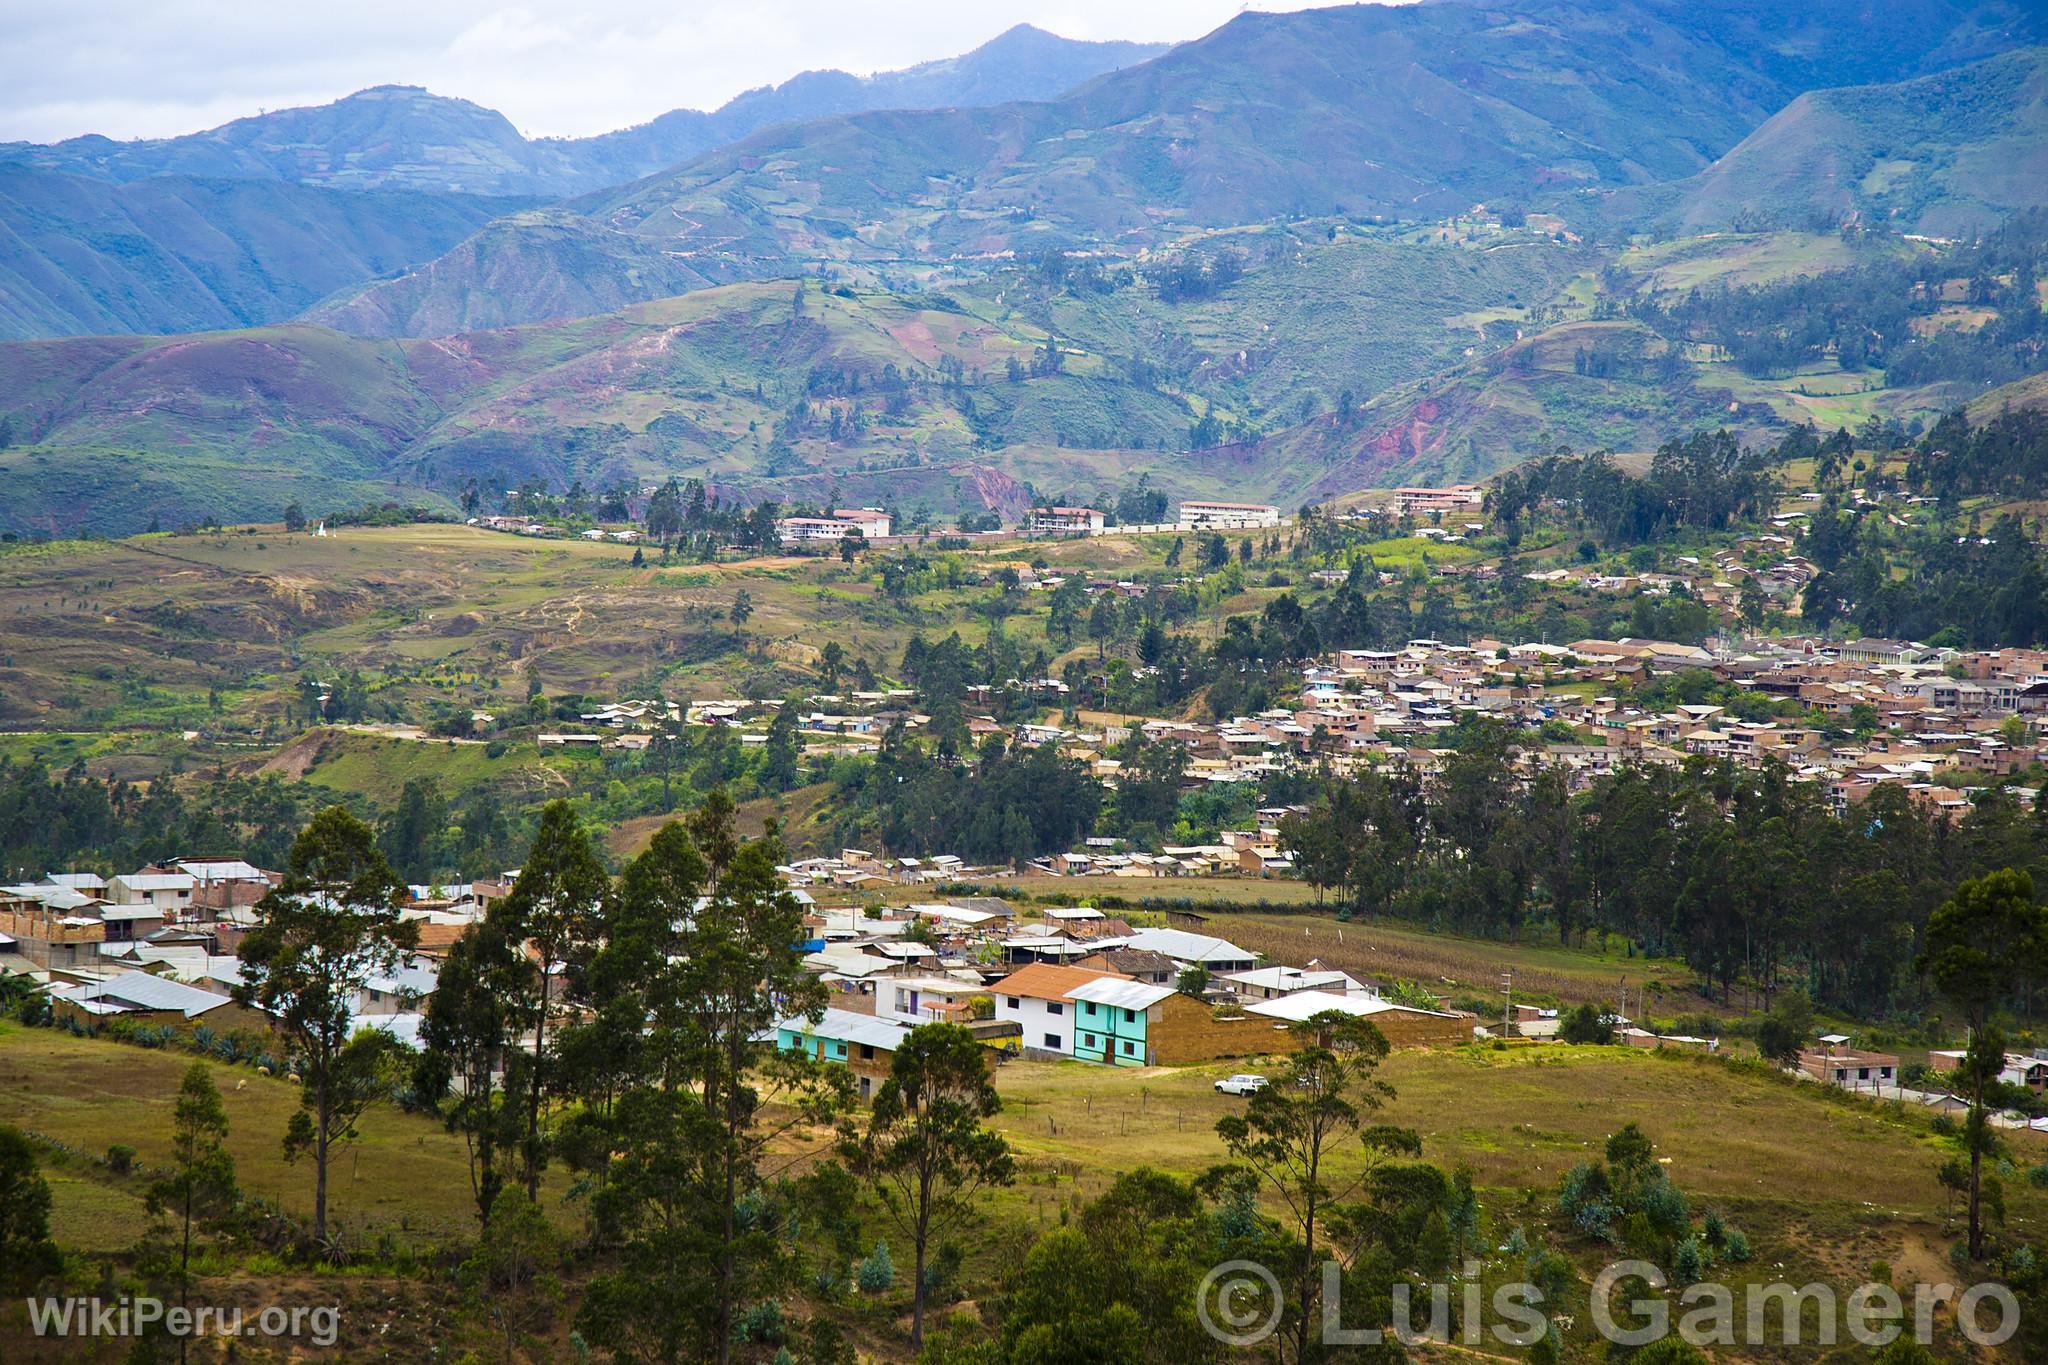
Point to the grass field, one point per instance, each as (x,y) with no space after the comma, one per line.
(1516,1118)
(406,1173)
(1461,967)
(1824,1185)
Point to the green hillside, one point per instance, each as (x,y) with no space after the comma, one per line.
(1285,363)
(760,391)
(176,254)
(1945,155)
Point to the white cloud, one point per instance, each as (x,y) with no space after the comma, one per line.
(155,68)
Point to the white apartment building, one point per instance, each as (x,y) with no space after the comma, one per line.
(1227,516)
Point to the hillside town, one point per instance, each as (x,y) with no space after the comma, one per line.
(1938,723)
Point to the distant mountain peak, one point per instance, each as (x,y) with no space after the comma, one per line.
(439,142)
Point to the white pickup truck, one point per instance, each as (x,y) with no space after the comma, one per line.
(1242,1084)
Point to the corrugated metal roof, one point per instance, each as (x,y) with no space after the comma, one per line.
(1307,1004)
(1123,995)
(847,1027)
(1183,946)
(155,881)
(141,991)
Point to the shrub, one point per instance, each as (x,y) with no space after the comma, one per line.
(1587,1024)
(877,1272)
(1689,1262)
(1738,1246)
(120,1158)
(1583,1197)
(761,1323)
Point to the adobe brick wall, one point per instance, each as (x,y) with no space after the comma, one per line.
(1188,1032)
(1423,1030)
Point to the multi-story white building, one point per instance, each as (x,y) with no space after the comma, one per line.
(868,522)
(872,521)
(1461,497)
(1066,520)
(1227,516)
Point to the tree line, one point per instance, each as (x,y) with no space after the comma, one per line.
(1750,874)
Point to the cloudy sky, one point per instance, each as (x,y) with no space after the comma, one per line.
(154,68)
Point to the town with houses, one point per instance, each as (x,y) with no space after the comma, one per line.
(157,945)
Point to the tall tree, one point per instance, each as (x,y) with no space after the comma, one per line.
(700,963)
(1983,945)
(331,925)
(1290,1132)
(550,910)
(200,1184)
(470,1058)
(925,1146)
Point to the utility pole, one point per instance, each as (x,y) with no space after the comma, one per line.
(1507,1007)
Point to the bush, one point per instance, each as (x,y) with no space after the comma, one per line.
(1586,1024)
(1689,1262)
(762,1323)
(120,1158)
(875,1274)
(1738,1246)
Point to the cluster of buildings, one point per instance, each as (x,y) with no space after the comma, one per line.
(1069,983)
(1195,515)
(1862,713)
(157,946)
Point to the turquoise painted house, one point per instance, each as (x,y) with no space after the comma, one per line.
(860,1042)
(1111,1018)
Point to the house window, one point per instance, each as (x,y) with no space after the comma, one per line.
(1052,1040)
(1130,1016)
(867,1052)
(1088,1040)
(1015,1002)
(1055,1007)
(1130,1049)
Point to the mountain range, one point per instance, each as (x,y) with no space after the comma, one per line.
(397,136)
(1304,254)
(1364,111)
